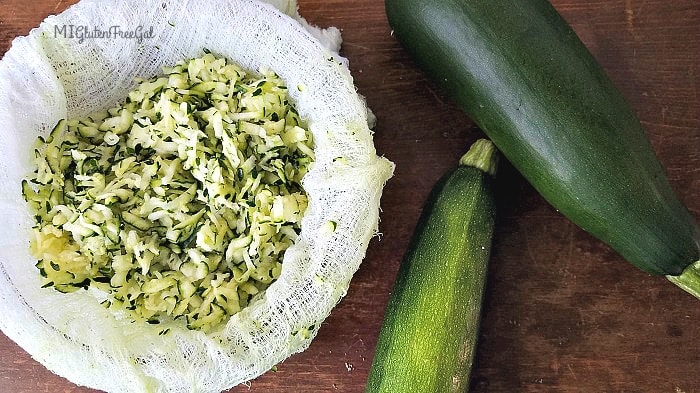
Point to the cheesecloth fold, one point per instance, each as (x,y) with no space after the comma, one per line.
(50,75)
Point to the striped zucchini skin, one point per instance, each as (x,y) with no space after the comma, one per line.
(429,334)
(521,73)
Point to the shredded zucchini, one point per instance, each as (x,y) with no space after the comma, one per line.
(178,203)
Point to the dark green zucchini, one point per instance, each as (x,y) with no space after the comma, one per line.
(521,73)
(430,328)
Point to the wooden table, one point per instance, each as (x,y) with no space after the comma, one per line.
(563,312)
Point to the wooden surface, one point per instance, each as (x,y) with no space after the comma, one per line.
(563,313)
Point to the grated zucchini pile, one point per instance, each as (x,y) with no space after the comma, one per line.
(178,203)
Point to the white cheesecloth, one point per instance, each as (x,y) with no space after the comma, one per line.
(49,75)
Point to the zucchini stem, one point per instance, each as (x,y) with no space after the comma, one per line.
(481,155)
(689,280)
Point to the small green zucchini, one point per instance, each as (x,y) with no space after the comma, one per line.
(430,329)
(521,73)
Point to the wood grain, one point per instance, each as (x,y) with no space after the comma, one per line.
(563,312)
